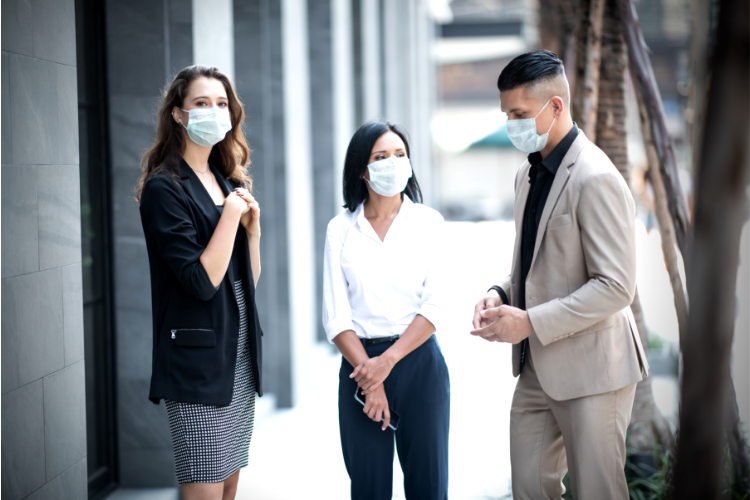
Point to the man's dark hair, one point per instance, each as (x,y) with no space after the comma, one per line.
(528,68)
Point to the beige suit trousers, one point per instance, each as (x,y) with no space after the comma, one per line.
(585,436)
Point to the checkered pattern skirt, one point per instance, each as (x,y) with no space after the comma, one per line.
(211,442)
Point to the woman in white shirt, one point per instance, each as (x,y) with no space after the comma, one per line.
(381,309)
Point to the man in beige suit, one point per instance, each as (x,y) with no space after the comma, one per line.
(566,304)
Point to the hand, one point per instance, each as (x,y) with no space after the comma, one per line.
(491,300)
(376,407)
(251,219)
(234,202)
(371,374)
(508,324)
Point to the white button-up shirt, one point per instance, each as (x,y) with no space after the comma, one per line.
(376,288)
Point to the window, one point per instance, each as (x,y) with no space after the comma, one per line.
(95,245)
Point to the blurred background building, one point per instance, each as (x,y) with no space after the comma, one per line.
(81,81)
(81,86)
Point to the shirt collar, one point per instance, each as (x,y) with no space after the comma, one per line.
(364,224)
(555,158)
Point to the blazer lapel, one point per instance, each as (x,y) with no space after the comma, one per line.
(561,178)
(194,187)
(226,188)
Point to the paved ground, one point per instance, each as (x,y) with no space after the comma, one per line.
(296,454)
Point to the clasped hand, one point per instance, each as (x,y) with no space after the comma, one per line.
(251,213)
(502,324)
(370,374)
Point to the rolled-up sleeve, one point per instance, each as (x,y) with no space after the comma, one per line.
(167,221)
(432,303)
(337,312)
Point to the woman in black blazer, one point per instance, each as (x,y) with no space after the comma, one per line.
(203,236)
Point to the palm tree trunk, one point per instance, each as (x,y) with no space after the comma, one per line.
(585,104)
(647,424)
(645,86)
(709,407)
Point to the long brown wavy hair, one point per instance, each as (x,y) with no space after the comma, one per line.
(231,156)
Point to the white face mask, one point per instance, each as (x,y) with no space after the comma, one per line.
(523,135)
(206,127)
(389,177)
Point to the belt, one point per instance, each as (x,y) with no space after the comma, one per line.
(380,340)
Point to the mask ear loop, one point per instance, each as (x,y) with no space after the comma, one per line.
(540,112)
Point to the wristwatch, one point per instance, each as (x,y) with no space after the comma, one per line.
(499,290)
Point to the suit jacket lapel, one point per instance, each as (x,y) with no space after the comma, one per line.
(518,210)
(561,178)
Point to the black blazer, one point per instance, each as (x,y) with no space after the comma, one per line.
(196,326)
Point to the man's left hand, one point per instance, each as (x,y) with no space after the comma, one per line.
(510,324)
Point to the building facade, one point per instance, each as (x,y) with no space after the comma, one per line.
(81,81)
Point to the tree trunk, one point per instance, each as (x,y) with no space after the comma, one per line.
(558,21)
(647,424)
(666,228)
(585,104)
(645,85)
(719,213)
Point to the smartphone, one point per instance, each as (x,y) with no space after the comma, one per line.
(394,416)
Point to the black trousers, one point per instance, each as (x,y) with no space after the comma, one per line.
(418,389)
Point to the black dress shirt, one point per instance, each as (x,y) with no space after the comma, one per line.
(541,175)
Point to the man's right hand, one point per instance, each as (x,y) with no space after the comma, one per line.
(491,300)
(376,406)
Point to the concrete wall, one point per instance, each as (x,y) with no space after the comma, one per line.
(43,386)
(148,42)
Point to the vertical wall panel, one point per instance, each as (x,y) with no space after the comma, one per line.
(259,79)
(321,130)
(299,189)
(148,42)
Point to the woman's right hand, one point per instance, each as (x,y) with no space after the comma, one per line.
(376,406)
(235,202)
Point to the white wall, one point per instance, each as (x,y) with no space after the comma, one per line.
(343,88)
(299,196)
(213,34)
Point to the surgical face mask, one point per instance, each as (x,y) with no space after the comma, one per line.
(206,127)
(389,177)
(523,135)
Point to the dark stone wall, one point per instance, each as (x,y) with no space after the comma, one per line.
(43,384)
(148,42)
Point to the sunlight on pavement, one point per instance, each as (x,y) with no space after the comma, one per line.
(296,454)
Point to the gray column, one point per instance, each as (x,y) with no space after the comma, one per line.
(321,129)
(148,42)
(43,385)
(371,57)
(259,81)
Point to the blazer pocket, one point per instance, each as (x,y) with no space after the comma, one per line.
(560,220)
(194,337)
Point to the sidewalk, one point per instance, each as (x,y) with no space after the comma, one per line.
(296,453)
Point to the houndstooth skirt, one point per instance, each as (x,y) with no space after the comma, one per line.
(211,442)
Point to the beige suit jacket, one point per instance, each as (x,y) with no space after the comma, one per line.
(582,278)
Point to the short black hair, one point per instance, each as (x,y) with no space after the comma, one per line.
(529,67)
(358,157)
